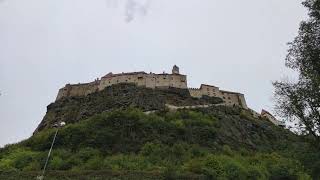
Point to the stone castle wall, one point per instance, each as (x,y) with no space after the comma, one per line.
(78,89)
(139,78)
(146,80)
(229,98)
(153,81)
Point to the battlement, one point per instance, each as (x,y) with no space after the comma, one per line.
(152,80)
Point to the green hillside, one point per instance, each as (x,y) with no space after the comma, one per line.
(118,140)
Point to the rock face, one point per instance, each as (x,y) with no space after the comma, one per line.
(120,96)
(236,127)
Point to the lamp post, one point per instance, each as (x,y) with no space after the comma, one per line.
(56,125)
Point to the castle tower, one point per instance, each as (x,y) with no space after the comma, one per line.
(175,70)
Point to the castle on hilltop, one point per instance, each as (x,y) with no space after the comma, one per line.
(152,80)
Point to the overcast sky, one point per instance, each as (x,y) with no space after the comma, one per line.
(44,44)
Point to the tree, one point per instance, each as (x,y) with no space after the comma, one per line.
(300,100)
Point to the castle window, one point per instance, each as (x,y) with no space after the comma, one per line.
(229,97)
(224,97)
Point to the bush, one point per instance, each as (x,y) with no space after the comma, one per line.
(95,163)
(227,150)
(170,173)
(280,167)
(234,169)
(257,172)
(18,159)
(194,166)
(127,163)
(244,114)
(213,167)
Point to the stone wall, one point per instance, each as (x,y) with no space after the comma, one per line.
(152,80)
(138,78)
(242,101)
(229,98)
(110,79)
(71,90)
(271,118)
(147,80)
(195,92)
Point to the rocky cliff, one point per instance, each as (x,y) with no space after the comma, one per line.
(120,96)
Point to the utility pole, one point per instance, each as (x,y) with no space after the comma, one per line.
(57,125)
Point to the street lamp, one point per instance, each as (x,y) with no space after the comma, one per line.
(56,125)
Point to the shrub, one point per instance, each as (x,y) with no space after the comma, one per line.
(194,166)
(127,163)
(95,163)
(244,114)
(227,150)
(234,169)
(170,173)
(56,163)
(213,167)
(280,167)
(18,159)
(257,172)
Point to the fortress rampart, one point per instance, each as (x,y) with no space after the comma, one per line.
(229,98)
(78,89)
(146,80)
(152,80)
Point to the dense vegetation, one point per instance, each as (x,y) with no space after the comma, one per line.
(211,143)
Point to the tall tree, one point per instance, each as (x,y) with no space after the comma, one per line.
(299,100)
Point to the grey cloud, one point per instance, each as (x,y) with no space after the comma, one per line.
(134,8)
